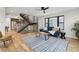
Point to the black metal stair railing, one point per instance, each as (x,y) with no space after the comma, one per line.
(23,23)
(26,18)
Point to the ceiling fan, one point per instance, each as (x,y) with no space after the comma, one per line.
(44,9)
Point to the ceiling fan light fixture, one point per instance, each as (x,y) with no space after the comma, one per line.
(44,11)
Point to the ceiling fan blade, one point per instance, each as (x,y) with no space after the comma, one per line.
(47,8)
(44,11)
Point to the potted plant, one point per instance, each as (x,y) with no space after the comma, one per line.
(76,29)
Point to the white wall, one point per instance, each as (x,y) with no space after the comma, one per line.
(71,17)
(2,20)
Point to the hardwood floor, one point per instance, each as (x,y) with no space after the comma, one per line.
(19,46)
(73,45)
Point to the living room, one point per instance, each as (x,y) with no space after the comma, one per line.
(62,18)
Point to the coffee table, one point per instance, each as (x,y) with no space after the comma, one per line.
(46,35)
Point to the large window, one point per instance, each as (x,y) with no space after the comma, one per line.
(53,22)
(57,21)
(61,22)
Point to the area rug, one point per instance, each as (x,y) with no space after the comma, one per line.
(39,44)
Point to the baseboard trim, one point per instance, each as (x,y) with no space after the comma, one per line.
(72,38)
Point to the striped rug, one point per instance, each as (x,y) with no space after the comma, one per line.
(39,44)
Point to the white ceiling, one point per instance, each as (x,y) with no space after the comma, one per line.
(36,10)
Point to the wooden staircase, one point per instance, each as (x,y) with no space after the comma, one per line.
(21,24)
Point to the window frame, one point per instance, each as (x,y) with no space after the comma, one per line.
(57,20)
